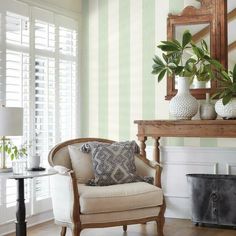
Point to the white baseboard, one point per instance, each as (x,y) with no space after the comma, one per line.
(9,227)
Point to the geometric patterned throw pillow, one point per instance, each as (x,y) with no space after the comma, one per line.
(89,146)
(114,164)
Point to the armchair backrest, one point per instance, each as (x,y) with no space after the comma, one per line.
(59,155)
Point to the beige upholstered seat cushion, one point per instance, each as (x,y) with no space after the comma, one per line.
(120,197)
(119,216)
(81,164)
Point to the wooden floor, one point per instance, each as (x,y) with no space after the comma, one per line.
(173,227)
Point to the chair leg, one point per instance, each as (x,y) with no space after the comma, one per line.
(63,231)
(125,228)
(76,230)
(160,226)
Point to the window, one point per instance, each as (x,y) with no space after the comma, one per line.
(38,70)
(44,35)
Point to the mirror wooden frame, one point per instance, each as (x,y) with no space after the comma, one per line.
(213,12)
(231,14)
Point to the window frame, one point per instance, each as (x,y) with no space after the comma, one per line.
(33,206)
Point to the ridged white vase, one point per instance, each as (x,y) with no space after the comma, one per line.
(183,106)
(227,111)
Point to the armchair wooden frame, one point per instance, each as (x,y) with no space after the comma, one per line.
(76,225)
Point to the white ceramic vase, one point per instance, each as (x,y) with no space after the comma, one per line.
(34,161)
(207,109)
(227,111)
(183,106)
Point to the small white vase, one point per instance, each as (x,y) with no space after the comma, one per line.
(227,111)
(207,109)
(183,106)
(34,161)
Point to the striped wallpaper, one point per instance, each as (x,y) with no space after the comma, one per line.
(119,39)
(117,86)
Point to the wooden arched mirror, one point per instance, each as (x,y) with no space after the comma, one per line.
(231,21)
(204,22)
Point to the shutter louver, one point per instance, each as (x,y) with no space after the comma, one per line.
(17,29)
(67,39)
(17,78)
(1,68)
(44,116)
(44,104)
(17,85)
(44,36)
(11,192)
(67,98)
(42,188)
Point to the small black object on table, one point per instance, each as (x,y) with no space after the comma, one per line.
(37,169)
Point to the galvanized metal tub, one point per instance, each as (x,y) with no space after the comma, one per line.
(213,199)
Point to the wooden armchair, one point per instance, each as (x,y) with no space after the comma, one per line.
(78,206)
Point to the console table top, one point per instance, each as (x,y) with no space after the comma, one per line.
(187,122)
(182,128)
(186,128)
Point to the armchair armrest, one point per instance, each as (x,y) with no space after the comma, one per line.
(65,197)
(146,167)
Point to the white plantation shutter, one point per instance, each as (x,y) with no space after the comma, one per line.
(17,88)
(44,117)
(17,29)
(45,101)
(44,36)
(17,79)
(67,76)
(44,105)
(42,188)
(67,103)
(2,193)
(11,192)
(38,70)
(14,88)
(2,90)
(68,41)
(2,58)
(2,82)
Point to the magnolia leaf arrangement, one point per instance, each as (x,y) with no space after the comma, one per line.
(227,89)
(199,64)
(13,151)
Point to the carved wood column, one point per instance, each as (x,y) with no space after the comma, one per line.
(156,150)
(142,140)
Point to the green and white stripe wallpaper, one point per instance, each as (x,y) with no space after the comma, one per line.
(119,39)
(117,86)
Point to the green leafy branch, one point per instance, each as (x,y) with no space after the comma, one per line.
(199,64)
(13,151)
(227,89)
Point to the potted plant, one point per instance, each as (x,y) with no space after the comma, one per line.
(186,61)
(226,105)
(17,154)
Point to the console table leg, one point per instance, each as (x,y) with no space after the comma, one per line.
(156,150)
(20,209)
(143,146)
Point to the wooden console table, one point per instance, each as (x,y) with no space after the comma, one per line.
(182,128)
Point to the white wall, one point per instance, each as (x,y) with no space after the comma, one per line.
(73,6)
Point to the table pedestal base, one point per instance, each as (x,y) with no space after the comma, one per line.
(20,229)
(20,209)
